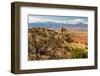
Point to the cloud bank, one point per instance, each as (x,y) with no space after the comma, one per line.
(34,19)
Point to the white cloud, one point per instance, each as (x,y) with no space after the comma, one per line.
(74,21)
(77,21)
(35,19)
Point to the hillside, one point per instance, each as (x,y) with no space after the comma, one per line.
(46,44)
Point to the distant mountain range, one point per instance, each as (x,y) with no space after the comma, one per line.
(53,25)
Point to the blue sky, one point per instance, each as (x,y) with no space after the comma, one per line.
(57,19)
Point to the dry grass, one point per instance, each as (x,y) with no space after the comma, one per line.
(45,44)
(79,36)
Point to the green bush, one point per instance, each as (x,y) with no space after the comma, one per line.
(79,53)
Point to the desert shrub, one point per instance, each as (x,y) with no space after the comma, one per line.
(79,53)
(76,50)
(49,44)
(68,37)
(59,53)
